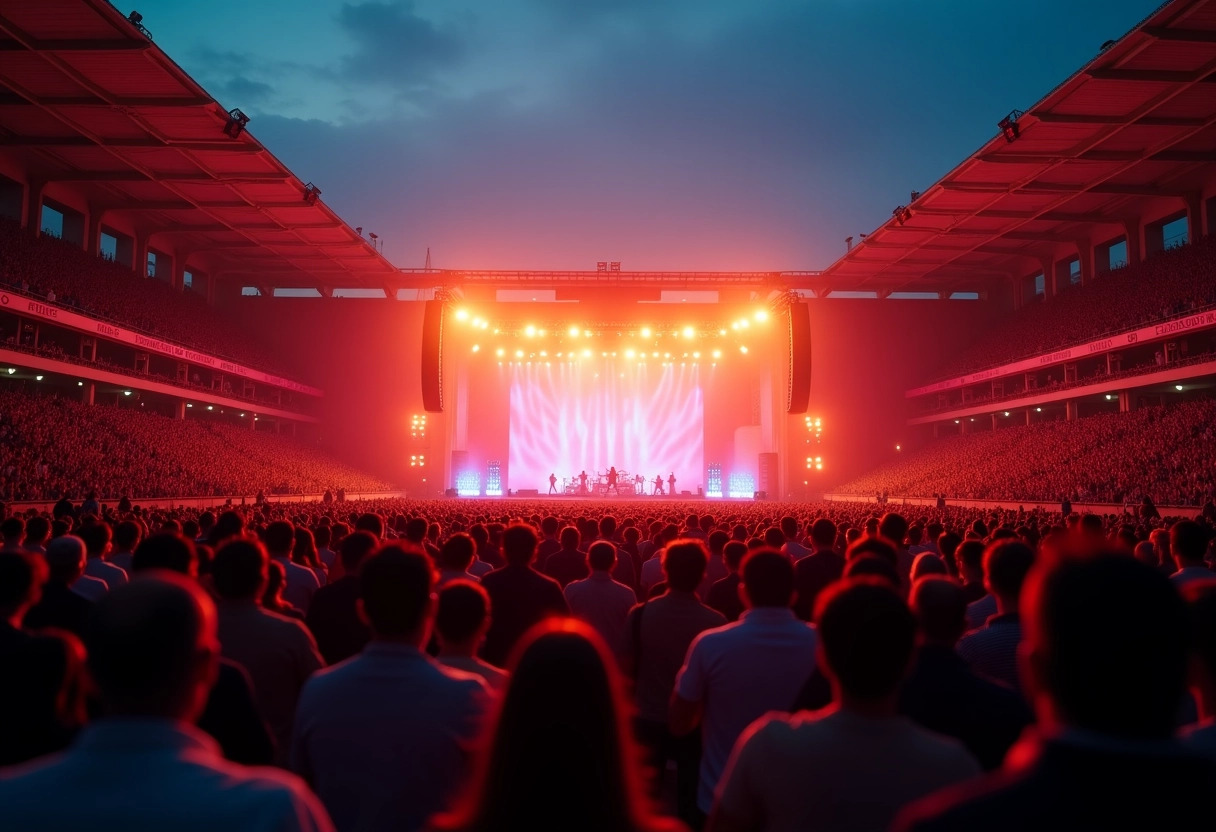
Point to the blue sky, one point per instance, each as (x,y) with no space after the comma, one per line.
(706,134)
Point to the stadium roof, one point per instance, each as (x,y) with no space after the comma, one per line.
(1135,124)
(86,98)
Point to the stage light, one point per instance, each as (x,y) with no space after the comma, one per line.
(603,355)
(485,325)
(573,332)
(696,355)
(543,354)
(462,315)
(689,332)
(476,348)
(956,421)
(734,325)
(12,370)
(1178,387)
(540,332)
(209,407)
(1036,410)
(586,333)
(743,349)
(654,354)
(530,330)
(898,448)
(645,332)
(1109,397)
(37,378)
(242,415)
(519,353)
(586,353)
(559,355)
(500,352)
(717,353)
(236,123)
(630,353)
(818,466)
(80,384)
(189,405)
(721,331)
(1006,412)
(760,315)
(128,392)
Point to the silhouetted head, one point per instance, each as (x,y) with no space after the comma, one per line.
(165,550)
(767,579)
(395,594)
(940,607)
(519,544)
(866,634)
(684,564)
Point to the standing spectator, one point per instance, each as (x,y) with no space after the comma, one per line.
(568,563)
(60,606)
(735,674)
(96,537)
(723,596)
(278,652)
(1201,608)
(381,737)
(819,569)
(992,650)
(794,550)
(126,538)
(333,616)
(455,557)
(152,654)
(519,595)
(460,628)
(599,600)
(1105,658)
(857,763)
(302,583)
(1189,546)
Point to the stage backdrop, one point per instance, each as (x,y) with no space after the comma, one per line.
(644,418)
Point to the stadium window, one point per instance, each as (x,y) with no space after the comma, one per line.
(251,292)
(52,221)
(913,296)
(1118,254)
(964,296)
(1040,285)
(853,295)
(295,293)
(108,246)
(359,293)
(1175,233)
(187,280)
(151,263)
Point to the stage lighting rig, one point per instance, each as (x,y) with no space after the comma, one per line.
(137,20)
(1009,125)
(237,121)
(312,193)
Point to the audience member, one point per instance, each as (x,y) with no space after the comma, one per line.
(599,600)
(519,595)
(461,622)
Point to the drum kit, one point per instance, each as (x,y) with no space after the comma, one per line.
(598,484)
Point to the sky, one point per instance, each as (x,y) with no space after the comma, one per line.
(720,135)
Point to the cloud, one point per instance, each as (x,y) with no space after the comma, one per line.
(394,45)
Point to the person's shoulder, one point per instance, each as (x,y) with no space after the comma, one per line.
(996,799)
(941,749)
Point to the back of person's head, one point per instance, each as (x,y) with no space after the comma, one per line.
(37,529)
(569,538)
(563,702)
(878,547)
(239,570)
(872,566)
(126,536)
(866,636)
(601,556)
(893,527)
(733,554)
(916,535)
(480,534)
(65,558)
(1006,565)
(415,529)
(1105,642)
(457,552)
(927,563)
(823,533)
(768,579)
(548,526)
(152,648)
(607,527)
(970,557)
(940,607)
(461,612)
(519,544)
(1188,543)
(773,538)
(21,579)
(1091,525)
(789,527)
(354,548)
(717,542)
(684,564)
(228,524)
(165,550)
(13,530)
(370,522)
(1146,552)
(96,538)
(322,535)
(279,537)
(395,592)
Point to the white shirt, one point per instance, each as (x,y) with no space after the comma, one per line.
(835,770)
(740,672)
(301,583)
(153,775)
(604,604)
(381,737)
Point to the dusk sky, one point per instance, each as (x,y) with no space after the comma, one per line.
(686,134)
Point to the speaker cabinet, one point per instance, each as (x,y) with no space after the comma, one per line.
(798,394)
(432,357)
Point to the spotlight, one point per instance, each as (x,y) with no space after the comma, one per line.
(743,349)
(573,332)
(761,315)
(1009,126)
(12,370)
(717,353)
(236,123)
(734,325)
(1109,397)
(1038,410)
(743,324)
(586,353)
(689,332)
(476,348)
(696,355)
(500,352)
(530,330)
(242,415)
(721,331)
(80,384)
(629,353)
(519,353)
(645,332)
(1178,387)
(188,404)
(209,407)
(898,448)
(667,355)
(128,392)
(654,354)
(37,378)
(311,194)
(1006,412)
(586,333)
(462,315)
(544,354)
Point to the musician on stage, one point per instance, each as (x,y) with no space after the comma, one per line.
(582,482)
(612,477)
(639,484)
(671,484)
(658,486)
(552,483)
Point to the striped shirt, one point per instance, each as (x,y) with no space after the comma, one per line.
(992,650)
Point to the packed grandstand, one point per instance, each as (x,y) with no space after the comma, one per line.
(1010,624)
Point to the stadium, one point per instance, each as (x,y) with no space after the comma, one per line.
(197,351)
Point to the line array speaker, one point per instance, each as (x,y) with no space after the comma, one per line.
(432,357)
(798,394)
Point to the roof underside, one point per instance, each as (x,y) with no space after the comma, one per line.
(86,99)
(1136,124)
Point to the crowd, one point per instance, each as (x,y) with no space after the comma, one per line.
(1165,285)
(1167,454)
(489,664)
(60,273)
(50,446)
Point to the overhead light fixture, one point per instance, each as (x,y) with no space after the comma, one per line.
(236,123)
(1178,387)
(311,194)
(126,392)
(1009,125)
(37,378)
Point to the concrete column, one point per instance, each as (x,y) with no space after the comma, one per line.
(1049,276)
(1131,230)
(936,432)
(1126,403)
(179,409)
(1070,410)
(33,206)
(139,259)
(92,237)
(1194,215)
(1018,300)
(178,279)
(1085,253)
(87,392)
(994,421)
(1027,417)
